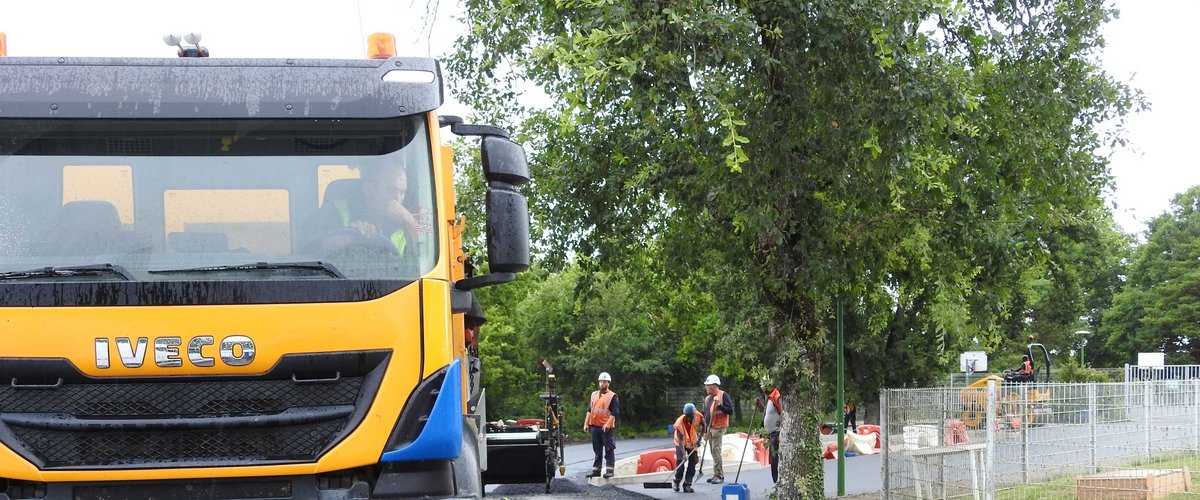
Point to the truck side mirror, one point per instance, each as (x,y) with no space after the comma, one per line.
(505,168)
(507,230)
(504,161)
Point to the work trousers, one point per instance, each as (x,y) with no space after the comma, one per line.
(774,452)
(714,449)
(604,444)
(692,457)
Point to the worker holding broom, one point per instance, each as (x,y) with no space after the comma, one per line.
(687,439)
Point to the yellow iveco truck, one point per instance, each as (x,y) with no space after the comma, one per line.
(232,278)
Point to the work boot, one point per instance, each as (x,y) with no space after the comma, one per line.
(675,485)
(608,473)
(687,488)
(716,480)
(594,473)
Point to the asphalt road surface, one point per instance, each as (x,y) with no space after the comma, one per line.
(862,476)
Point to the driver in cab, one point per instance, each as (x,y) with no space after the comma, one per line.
(1023,373)
(370,214)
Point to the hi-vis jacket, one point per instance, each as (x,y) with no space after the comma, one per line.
(718,420)
(397,238)
(687,436)
(600,409)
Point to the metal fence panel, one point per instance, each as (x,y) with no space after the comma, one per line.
(960,379)
(1135,373)
(1025,440)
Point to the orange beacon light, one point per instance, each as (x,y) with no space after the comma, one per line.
(381,46)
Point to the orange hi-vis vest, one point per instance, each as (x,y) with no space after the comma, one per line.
(599,413)
(719,420)
(686,435)
(1026,367)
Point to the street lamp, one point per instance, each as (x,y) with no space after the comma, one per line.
(1082,344)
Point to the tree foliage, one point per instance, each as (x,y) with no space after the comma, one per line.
(1159,308)
(903,155)
(641,330)
(511,372)
(1069,290)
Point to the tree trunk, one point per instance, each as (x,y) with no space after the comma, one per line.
(801,467)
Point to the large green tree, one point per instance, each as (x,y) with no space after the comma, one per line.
(1076,285)
(1159,308)
(900,154)
(1068,291)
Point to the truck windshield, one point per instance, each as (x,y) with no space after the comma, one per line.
(216,199)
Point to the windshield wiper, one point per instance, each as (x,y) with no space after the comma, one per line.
(69,272)
(260,266)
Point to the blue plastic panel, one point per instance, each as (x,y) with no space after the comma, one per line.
(441,439)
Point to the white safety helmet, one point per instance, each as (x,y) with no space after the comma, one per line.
(712,380)
(604,376)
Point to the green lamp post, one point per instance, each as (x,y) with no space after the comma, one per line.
(1082,345)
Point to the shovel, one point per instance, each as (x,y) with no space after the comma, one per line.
(700,469)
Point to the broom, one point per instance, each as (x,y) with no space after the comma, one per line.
(753,414)
(667,483)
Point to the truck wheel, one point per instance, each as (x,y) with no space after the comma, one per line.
(468,478)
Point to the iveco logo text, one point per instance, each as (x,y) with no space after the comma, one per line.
(234,350)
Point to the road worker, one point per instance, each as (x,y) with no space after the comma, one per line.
(772,416)
(687,439)
(718,406)
(601,419)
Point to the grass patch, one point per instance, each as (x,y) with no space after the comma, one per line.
(1063,488)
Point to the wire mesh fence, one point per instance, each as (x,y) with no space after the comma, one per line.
(962,379)
(1168,372)
(1035,441)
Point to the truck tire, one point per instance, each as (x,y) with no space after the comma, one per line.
(468,478)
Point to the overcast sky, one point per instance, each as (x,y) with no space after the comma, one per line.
(1149,46)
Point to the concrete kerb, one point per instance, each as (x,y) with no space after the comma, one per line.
(653,477)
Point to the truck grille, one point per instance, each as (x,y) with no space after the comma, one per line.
(106,448)
(294,413)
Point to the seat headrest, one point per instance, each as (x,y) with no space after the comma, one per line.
(86,227)
(100,213)
(342,189)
